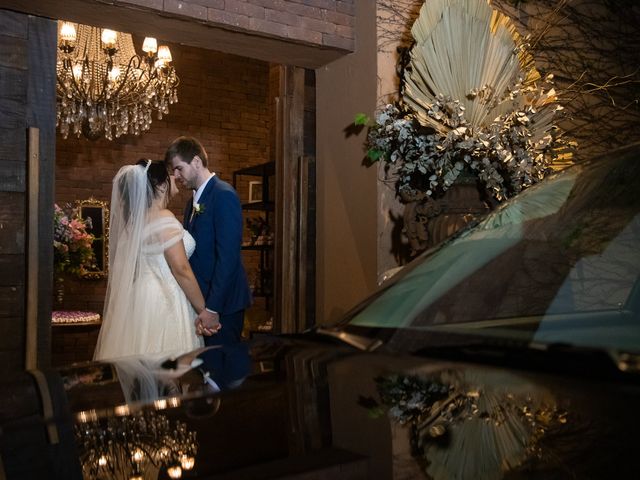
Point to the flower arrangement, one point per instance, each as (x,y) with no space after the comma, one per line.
(471,104)
(505,155)
(72,242)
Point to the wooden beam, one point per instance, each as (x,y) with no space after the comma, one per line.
(289,151)
(31,350)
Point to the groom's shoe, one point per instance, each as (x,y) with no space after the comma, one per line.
(209,385)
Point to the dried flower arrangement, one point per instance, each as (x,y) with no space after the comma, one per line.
(472,103)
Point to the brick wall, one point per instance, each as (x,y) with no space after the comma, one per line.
(326,23)
(222,100)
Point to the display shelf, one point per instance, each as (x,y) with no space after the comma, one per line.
(259,199)
(262,206)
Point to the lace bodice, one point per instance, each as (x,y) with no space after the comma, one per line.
(189,244)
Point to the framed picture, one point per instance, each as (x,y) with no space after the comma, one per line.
(255,191)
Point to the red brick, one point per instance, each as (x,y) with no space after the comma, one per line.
(155,4)
(227,18)
(208,3)
(324,4)
(344,31)
(272,4)
(346,6)
(265,26)
(338,42)
(186,9)
(317,25)
(339,18)
(283,17)
(243,8)
(304,10)
(304,35)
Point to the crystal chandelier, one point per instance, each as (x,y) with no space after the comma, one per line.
(133,446)
(105,88)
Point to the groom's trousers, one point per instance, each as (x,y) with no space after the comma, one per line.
(230,363)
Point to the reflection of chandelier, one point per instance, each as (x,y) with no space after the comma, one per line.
(104,87)
(133,447)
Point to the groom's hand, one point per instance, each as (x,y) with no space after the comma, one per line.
(207,323)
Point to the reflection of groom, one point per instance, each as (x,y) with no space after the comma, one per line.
(214,219)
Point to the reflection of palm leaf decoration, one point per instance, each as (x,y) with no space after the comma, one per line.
(471,53)
(489,423)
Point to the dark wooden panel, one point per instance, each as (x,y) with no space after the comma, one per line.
(12,145)
(12,176)
(12,337)
(12,239)
(13,84)
(11,361)
(12,302)
(13,52)
(13,24)
(12,268)
(12,113)
(12,233)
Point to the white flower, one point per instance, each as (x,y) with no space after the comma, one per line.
(198,208)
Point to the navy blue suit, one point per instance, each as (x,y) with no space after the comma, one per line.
(217,265)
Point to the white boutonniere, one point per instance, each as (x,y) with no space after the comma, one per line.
(198,208)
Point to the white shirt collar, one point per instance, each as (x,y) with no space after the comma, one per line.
(198,193)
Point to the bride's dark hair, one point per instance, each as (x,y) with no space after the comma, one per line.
(157,174)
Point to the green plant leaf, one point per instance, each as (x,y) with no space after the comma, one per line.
(361,119)
(374,154)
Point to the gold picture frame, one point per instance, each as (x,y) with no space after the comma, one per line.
(98,212)
(255,191)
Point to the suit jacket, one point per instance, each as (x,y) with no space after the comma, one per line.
(216,261)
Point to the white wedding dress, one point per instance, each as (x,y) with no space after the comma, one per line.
(154,318)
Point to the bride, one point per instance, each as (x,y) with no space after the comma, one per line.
(152,295)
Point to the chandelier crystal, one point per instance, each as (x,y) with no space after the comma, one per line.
(105,88)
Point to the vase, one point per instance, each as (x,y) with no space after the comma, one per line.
(428,221)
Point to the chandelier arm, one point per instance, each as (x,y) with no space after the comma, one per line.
(82,93)
(75,85)
(126,74)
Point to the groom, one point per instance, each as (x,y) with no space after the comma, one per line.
(214,219)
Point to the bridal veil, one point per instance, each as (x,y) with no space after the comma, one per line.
(131,198)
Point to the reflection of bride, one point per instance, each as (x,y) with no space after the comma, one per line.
(152,294)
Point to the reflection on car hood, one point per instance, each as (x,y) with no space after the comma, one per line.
(312,405)
(559,263)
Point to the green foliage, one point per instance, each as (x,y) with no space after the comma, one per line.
(362,119)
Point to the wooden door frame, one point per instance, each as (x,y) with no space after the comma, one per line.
(292,197)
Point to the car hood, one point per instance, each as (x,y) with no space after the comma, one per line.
(316,405)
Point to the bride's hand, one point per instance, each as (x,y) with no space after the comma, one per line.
(207,323)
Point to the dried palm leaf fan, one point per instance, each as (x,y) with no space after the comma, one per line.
(467,52)
(472,423)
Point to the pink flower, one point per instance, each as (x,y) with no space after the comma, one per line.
(72,243)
